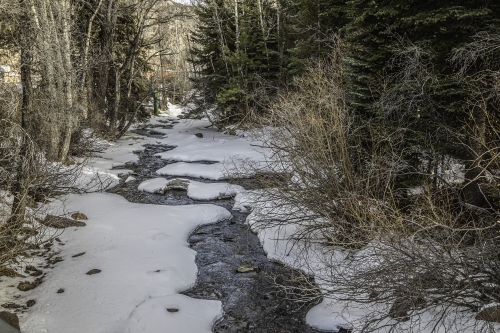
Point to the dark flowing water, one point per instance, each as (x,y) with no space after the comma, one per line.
(251,301)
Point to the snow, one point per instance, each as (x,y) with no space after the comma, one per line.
(213,146)
(129,179)
(174,110)
(145,260)
(214,171)
(141,250)
(155,185)
(314,259)
(195,190)
(193,315)
(99,174)
(209,191)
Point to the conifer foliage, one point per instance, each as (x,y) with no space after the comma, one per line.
(240,48)
(400,100)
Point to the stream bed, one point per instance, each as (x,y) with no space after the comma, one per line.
(251,300)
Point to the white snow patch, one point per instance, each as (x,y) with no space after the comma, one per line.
(152,316)
(214,171)
(195,190)
(155,185)
(210,191)
(175,110)
(145,262)
(214,146)
(129,179)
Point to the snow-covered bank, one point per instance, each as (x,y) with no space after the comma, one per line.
(282,243)
(144,260)
(141,254)
(141,250)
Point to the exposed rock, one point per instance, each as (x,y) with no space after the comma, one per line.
(30,303)
(93,271)
(78,255)
(11,306)
(61,222)
(55,260)
(247,268)
(26,285)
(402,305)
(60,291)
(30,268)
(36,273)
(177,184)
(5,271)
(374,294)
(491,314)
(172,310)
(11,319)
(199,135)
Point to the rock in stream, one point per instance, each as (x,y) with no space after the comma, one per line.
(233,267)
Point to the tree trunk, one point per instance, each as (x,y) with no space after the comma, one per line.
(99,103)
(70,117)
(20,188)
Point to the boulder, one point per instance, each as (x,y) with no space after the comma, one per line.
(79,216)
(93,271)
(26,285)
(60,222)
(491,314)
(177,184)
(11,319)
(9,272)
(247,268)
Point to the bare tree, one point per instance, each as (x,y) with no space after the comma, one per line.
(413,257)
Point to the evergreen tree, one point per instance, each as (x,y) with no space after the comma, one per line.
(379,29)
(239,50)
(401,72)
(314,28)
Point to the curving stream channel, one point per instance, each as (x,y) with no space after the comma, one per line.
(251,300)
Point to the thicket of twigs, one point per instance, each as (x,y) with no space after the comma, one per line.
(407,250)
(28,179)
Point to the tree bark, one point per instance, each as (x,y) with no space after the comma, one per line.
(20,188)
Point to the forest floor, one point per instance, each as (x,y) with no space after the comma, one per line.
(155,260)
